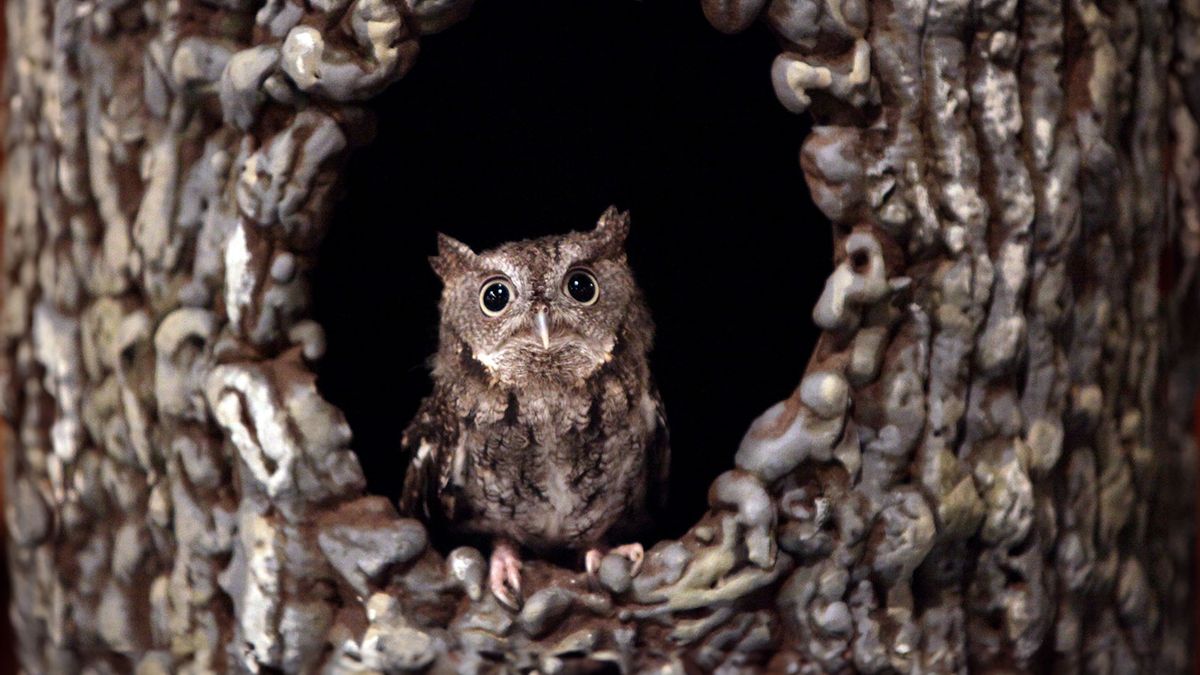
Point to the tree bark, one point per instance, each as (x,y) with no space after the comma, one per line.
(987,464)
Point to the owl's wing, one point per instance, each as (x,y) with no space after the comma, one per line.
(419,481)
(658,458)
(428,442)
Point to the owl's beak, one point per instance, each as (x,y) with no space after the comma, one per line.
(542,323)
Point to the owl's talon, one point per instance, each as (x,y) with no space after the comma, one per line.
(591,561)
(504,573)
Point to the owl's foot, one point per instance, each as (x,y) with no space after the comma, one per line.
(633,552)
(504,574)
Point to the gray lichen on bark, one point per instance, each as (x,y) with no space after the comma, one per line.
(986,464)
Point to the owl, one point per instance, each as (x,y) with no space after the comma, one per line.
(544,430)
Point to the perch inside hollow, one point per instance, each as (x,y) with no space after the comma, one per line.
(986,462)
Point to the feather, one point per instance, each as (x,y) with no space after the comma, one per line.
(658,460)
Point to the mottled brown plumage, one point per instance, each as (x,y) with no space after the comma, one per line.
(544,428)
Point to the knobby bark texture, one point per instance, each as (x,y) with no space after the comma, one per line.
(986,465)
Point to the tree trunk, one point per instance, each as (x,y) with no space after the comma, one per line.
(986,465)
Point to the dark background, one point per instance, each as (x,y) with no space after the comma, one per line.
(531,117)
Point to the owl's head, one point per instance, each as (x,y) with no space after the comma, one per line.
(556,308)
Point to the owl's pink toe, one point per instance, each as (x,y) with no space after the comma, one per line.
(591,561)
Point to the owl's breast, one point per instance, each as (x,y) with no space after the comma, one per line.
(564,494)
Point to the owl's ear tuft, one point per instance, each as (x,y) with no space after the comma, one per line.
(453,257)
(611,231)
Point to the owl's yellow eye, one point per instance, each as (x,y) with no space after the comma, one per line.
(495,296)
(581,286)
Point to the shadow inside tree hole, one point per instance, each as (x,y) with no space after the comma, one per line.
(531,117)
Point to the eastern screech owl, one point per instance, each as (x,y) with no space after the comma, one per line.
(544,429)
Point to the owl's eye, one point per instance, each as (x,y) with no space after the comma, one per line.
(581,285)
(495,296)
